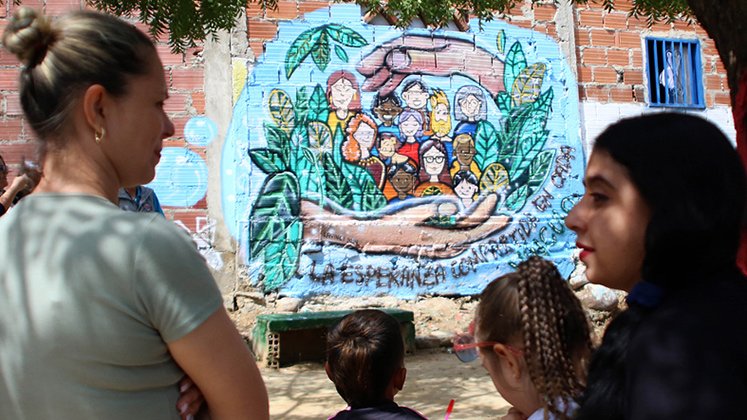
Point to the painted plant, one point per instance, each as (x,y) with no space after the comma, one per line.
(342,182)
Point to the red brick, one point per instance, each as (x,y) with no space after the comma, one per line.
(591,18)
(3,11)
(594,56)
(637,58)
(639,94)
(523,23)
(179,123)
(61,6)
(585,75)
(628,40)
(633,77)
(684,26)
(583,37)
(198,102)
(13,105)
(618,57)
(617,20)
(545,12)
(253,9)
(167,57)
(605,75)
(540,27)
(11,129)
(623,5)
(16,152)
(718,66)
(722,98)
(636,23)
(710,101)
(602,38)
(189,218)
(714,82)
(8,59)
(285,10)
(188,79)
(9,79)
(622,94)
(552,30)
(262,30)
(258,47)
(597,93)
(310,6)
(176,103)
(661,27)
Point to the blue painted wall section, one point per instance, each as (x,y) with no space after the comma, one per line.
(366,160)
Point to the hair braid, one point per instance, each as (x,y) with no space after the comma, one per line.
(555,333)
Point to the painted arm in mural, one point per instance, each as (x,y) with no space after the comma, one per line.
(390,63)
(406,231)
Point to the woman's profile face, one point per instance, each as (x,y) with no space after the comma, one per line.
(136,126)
(610,222)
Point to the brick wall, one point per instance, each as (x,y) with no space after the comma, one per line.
(184,73)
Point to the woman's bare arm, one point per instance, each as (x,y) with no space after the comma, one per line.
(216,358)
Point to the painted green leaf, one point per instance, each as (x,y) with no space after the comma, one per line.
(337,140)
(268,160)
(500,41)
(531,141)
(539,168)
(543,104)
(487,144)
(281,256)
(494,179)
(503,100)
(515,63)
(528,85)
(301,108)
(300,49)
(310,174)
(320,138)
(337,188)
(512,128)
(318,105)
(320,52)
(345,36)
(299,138)
(341,54)
(281,110)
(277,140)
(516,200)
(366,195)
(278,205)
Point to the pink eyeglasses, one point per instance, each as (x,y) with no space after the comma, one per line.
(465,347)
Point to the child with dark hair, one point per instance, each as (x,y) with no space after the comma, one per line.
(365,360)
(533,338)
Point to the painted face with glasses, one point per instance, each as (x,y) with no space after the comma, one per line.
(505,336)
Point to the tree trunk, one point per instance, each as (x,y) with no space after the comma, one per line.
(725,23)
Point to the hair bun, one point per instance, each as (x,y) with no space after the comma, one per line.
(28,36)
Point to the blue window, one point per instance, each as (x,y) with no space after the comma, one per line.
(674,73)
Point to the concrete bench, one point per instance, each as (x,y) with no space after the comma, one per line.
(283,339)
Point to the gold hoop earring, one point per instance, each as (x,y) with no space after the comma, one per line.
(99,136)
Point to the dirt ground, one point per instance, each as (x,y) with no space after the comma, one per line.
(433,378)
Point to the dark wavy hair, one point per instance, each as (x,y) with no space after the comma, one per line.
(691,177)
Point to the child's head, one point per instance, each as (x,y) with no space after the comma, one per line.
(540,332)
(365,358)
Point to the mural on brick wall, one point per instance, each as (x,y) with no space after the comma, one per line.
(365,159)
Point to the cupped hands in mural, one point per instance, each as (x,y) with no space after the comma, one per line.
(425,162)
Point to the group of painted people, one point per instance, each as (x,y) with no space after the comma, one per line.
(409,147)
(113,314)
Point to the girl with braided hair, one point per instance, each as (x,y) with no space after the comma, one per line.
(533,338)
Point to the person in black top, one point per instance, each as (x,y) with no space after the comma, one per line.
(660,218)
(365,360)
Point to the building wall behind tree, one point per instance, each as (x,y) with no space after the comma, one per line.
(219,179)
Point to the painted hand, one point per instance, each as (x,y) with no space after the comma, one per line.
(390,63)
(406,231)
